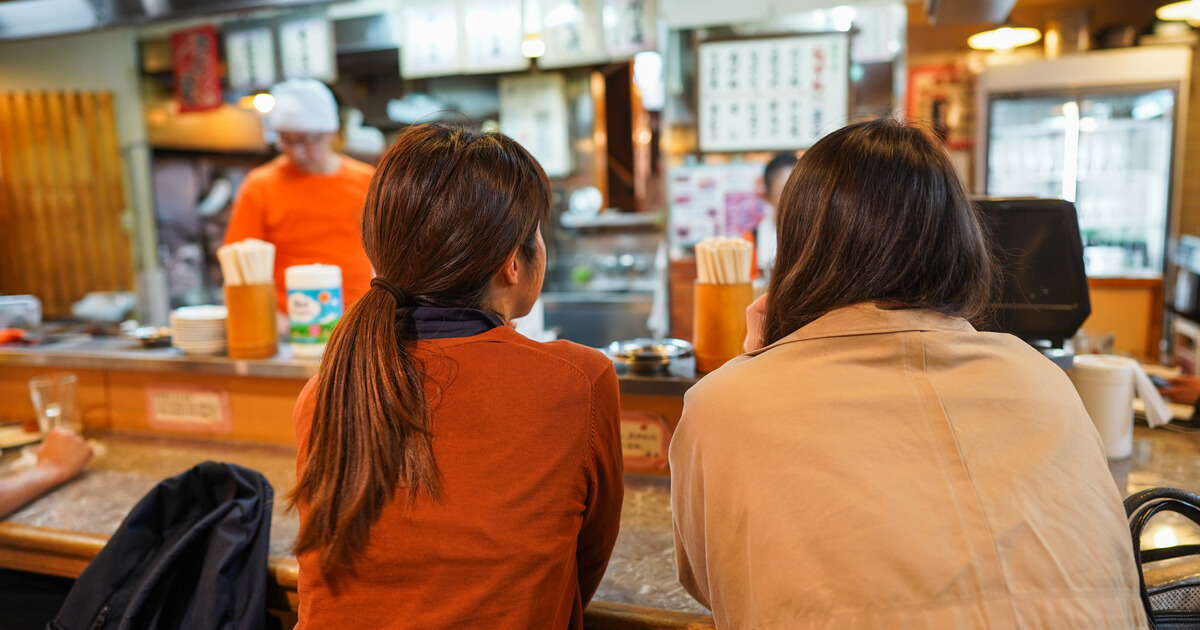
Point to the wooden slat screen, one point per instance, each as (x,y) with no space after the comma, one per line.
(61,198)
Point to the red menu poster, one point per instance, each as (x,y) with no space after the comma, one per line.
(197,69)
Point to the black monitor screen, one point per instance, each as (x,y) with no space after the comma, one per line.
(1045,291)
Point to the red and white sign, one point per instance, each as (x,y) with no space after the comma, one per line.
(645,438)
(197,68)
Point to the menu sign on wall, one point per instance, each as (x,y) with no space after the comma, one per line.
(306,49)
(573,32)
(494,33)
(250,58)
(630,26)
(772,94)
(197,71)
(430,39)
(712,200)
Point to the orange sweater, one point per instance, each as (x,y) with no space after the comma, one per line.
(310,219)
(527,441)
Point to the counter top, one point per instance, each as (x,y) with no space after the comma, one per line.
(115,353)
(77,517)
(641,572)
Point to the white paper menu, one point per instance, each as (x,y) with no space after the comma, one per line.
(493,33)
(430,39)
(779,93)
(306,49)
(250,58)
(573,32)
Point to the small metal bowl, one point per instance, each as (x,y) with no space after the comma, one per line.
(151,336)
(649,356)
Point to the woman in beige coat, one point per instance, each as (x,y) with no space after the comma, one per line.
(878,463)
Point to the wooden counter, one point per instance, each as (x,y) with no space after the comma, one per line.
(123,387)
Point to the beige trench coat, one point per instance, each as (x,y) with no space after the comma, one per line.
(898,469)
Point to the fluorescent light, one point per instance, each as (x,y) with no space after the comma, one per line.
(1070,150)
(1187,11)
(1004,38)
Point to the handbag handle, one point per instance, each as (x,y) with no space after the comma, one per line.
(1140,507)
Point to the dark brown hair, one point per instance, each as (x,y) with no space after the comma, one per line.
(446,207)
(875,212)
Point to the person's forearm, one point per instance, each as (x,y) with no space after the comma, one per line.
(21,488)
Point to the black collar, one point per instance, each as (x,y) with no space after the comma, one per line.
(432,322)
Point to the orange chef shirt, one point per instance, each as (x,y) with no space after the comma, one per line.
(527,438)
(310,218)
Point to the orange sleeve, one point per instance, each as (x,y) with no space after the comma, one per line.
(249,216)
(602,511)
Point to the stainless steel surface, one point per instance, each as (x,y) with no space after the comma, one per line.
(151,336)
(20,19)
(680,376)
(596,319)
(114,353)
(648,356)
(951,12)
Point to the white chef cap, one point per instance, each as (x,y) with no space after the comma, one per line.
(303,105)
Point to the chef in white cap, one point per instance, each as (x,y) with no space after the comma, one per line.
(309,200)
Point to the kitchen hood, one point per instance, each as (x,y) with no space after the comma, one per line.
(23,19)
(950,12)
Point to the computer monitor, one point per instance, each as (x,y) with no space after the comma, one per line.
(1044,294)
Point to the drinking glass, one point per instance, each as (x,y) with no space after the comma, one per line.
(54,401)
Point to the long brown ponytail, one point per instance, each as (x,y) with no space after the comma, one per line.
(446,207)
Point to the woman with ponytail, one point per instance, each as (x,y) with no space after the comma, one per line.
(450,472)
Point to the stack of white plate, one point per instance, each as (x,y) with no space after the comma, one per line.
(199,329)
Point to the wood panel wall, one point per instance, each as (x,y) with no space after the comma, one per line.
(61,198)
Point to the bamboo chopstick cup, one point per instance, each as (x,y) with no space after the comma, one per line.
(248,268)
(722,293)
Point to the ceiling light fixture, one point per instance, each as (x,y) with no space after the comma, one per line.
(533,46)
(1186,11)
(1005,38)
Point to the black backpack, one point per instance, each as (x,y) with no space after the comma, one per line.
(191,554)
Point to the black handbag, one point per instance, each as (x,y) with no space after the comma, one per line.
(1174,602)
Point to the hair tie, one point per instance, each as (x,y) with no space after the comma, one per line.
(386,285)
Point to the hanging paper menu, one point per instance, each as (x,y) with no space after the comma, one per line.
(250,58)
(493,36)
(772,94)
(630,26)
(430,39)
(306,49)
(573,33)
